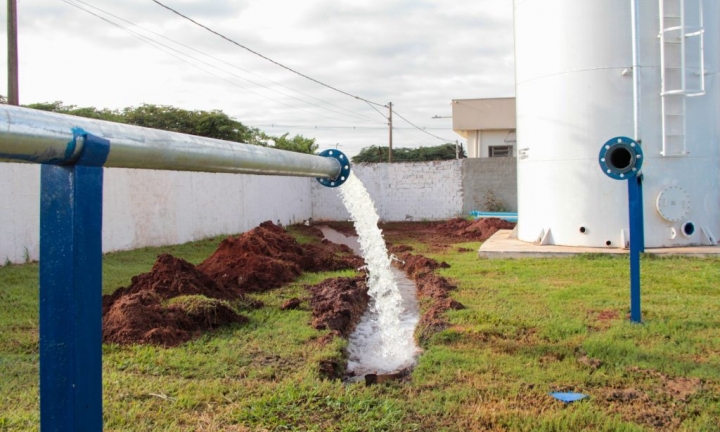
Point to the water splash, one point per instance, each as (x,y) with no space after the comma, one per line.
(385,342)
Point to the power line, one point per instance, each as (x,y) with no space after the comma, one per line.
(413,138)
(354,114)
(158,45)
(273,125)
(265,57)
(421,129)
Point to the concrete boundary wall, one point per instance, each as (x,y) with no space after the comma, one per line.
(155,208)
(427,190)
(490,184)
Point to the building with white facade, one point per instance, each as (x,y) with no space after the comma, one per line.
(487,124)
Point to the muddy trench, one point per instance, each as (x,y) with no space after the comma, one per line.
(176,301)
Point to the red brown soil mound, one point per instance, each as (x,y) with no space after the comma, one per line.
(171,277)
(176,301)
(142,318)
(144,312)
(338,304)
(478,230)
(267,257)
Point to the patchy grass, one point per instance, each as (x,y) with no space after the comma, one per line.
(530,327)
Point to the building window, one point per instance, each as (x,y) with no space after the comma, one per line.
(501,151)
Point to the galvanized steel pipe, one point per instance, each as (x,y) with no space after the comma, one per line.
(42,137)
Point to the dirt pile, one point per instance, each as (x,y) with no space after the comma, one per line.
(169,305)
(177,301)
(477,230)
(267,257)
(338,304)
(422,270)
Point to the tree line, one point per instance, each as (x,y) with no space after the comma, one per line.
(375,154)
(211,124)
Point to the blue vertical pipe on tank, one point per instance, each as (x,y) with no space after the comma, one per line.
(636,243)
(621,159)
(71,290)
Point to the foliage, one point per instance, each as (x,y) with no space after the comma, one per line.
(530,327)
(211,124)
(376,154)
(493,203)
(298,143)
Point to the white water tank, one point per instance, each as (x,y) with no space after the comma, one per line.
(575,90)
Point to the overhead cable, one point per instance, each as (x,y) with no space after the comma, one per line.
(421,129)
(265,57)
(158,45)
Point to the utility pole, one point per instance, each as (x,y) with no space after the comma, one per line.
(390,105)
(13,93)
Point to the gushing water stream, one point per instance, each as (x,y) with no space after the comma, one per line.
(383,341)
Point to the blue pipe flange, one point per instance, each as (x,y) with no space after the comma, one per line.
(621,158)
(344,168)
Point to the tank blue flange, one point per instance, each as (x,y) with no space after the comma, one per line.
(621,158)
(344,168)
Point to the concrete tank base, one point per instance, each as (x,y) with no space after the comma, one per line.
(504,245)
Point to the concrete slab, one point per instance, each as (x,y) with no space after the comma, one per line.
(501,245)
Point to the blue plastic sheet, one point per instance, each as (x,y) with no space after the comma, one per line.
(568,397)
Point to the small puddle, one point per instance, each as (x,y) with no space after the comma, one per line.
(365,355)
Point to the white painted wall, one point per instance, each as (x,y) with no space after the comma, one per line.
(480,141)
(401,191)
(154,208)
(492,138)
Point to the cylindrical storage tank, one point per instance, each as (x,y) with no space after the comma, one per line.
(575,90)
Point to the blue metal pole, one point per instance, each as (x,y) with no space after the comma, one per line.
(636,244)
(71,291)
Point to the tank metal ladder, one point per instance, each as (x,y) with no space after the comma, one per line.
(680,43)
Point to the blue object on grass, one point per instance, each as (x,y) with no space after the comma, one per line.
(568,397)
(508,216)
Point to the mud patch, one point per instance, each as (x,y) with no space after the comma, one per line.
(293,303)
(338,304)
(477,230)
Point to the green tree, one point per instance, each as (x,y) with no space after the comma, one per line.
(211,124)
(378,154)
(298,143)
(89,112)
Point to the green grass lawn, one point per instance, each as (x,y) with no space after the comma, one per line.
(530,327)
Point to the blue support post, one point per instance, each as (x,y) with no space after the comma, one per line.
(637,239)
(71,291)
(621,158)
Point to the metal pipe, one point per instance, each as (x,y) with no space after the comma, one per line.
(636,68)
(42,137)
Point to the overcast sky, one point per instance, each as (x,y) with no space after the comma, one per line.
(418,54)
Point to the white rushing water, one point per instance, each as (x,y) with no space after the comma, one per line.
(383,341)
